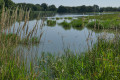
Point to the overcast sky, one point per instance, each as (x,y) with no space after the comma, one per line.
(101,3)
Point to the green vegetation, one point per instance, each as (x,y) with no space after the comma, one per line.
(68,18)
(5,38)
(57,18)
(95,25)
(107,21)
(65,25)
(33,40)
(105,24)
(102,62)
(77,23)
(51,23)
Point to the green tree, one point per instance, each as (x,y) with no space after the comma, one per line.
(38,7)
(44,6)
(96,8)
(52,8)
(9,3)
(62,9)
(1,4)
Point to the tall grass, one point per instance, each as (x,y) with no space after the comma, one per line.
(11,67)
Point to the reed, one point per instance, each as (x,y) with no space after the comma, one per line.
(11,67)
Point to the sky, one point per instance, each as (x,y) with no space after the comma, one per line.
(101,3)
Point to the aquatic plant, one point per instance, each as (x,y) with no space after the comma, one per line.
(11,67)
(68,18)
(57,18)
(95,24)
(65,25)
(51,23)
(77,23)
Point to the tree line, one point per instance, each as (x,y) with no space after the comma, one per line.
(60,9)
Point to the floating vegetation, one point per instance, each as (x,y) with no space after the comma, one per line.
(57,18)
(77,23)
(65,25)
(51,23)
(68,18)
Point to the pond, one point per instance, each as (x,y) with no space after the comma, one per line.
(57,39)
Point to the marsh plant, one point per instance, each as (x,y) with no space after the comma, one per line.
(51,23)
(107,21)
(11,35)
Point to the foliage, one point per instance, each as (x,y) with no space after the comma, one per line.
(1,4)
(52,8)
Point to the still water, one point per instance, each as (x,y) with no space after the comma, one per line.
(57,39)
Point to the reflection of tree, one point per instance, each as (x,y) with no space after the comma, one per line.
(38,15)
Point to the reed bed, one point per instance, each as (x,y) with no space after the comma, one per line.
(11,35)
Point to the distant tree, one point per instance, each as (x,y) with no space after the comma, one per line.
(52,8)
(107,9)
(44,6)
(9,3)
(38,7)
(61,9)
(96,8)
(82,8)
(1,4)
(118,9)
(89,9)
